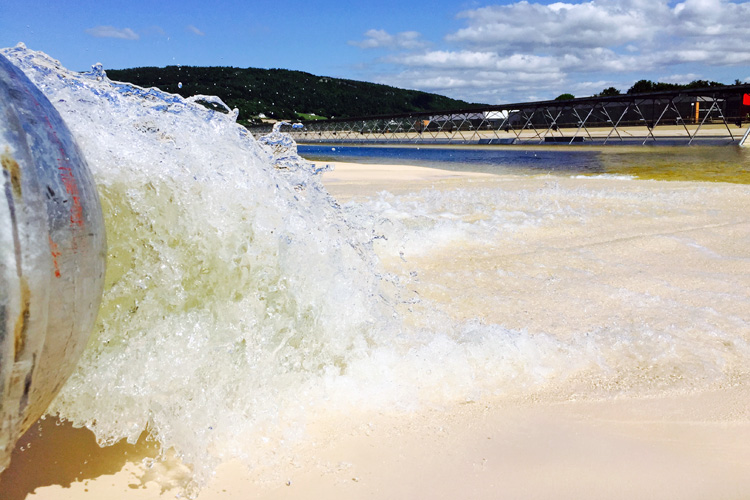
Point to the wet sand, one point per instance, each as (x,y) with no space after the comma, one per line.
(691,445)
(688,447)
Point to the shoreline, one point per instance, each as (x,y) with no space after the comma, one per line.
(687,445)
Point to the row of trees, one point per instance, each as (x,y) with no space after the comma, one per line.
(645,86)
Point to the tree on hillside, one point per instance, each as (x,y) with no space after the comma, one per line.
(565,97)
(702,84)
(645,86)
(642,87)
(609,91)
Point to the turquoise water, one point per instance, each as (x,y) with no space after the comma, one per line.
(699,163)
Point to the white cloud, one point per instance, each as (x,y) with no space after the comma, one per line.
(703,18)
(591,60)
(530,26)
(570,46)
(478,85)
(408,40)
(192,29)
(112,32)
(692,31)
(680,78)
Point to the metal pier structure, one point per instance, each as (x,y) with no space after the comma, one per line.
(715,115)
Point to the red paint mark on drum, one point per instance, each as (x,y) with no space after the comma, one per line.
(66,172)
(68,180)
(55,254)
(71,186)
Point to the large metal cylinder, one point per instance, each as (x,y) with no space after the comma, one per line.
(52,254)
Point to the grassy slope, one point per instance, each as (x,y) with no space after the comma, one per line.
(285,94)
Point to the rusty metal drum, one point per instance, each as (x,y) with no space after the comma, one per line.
(52,254)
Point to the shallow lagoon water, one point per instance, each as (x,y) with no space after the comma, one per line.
(687,163)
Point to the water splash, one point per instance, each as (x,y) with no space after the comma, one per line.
(225,282)
(240,298)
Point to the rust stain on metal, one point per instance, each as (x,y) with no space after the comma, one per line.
(10,165)
(55,253)
(22,323)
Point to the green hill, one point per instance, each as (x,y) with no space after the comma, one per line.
(285,94)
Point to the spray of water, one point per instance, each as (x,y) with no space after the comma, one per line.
(240,298)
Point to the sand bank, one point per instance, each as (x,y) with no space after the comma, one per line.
(677,445)
(348,180)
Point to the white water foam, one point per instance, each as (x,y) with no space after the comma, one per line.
(240,298)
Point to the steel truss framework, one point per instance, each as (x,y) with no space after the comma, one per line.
(685,116)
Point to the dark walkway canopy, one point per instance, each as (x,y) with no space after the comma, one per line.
(707,115)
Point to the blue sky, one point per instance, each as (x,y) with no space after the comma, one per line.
(480,51)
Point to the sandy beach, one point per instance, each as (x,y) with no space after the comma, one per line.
(687,444)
